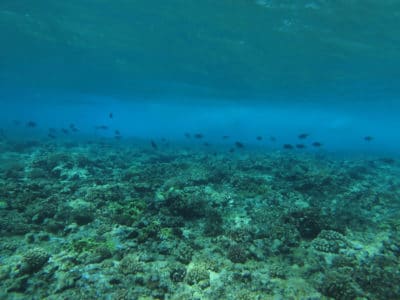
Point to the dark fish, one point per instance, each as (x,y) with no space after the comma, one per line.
(300,146)
(225,137)
(239,145)
(73,127)
(16,122)
(231,150)
(368,138)
(198,135)
(187,135)
(259,138)
(288,146)
(316,144)
(206,144)
(31,124)
(51,135)
(110,115)
(117,132)
(153,144)
(303,136)
(65,131)
(272,139)
(102,127)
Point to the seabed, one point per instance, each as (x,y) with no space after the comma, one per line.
(105,219)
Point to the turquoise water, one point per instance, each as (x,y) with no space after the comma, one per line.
(178,149)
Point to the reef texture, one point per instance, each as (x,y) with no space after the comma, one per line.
(103,220)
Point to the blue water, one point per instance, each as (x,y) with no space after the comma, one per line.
(243,69)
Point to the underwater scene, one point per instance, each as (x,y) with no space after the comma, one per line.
(198,149)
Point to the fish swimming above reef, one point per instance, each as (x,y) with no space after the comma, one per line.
(52,133)
(117,134)
(259,138)
(198,135)
(368,138)
(316,144)
(272,139)
(288,146)
(31,124)
(111,115)
(300,146)
(65,131)
(239,145)
(225,137)
(303,136)
(153,145)
(73,127)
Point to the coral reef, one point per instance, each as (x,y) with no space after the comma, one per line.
(105,220)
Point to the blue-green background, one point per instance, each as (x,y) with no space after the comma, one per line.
(269,67)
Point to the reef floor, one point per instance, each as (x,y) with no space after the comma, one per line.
(107,220)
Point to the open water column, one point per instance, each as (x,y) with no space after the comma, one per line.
(199,149)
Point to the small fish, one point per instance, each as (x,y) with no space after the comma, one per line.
(225,137)
(288,146)
(198,135)
(110,115)
(206,144)
(154,145)
(231,150)
(316,144)
(272,139)
(16,122)
(31,124)
(259,138)
(51,135)
(187,135)
(102,127)
(73,127)
(65,131)
(303,136)
(300,146)
(239,145)
(117,132)
(368,138)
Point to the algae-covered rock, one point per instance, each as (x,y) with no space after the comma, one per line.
(237,253)
(178,273)
(330,241)
(198,274)
(33,260)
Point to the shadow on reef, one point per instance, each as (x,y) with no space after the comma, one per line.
(120,221)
